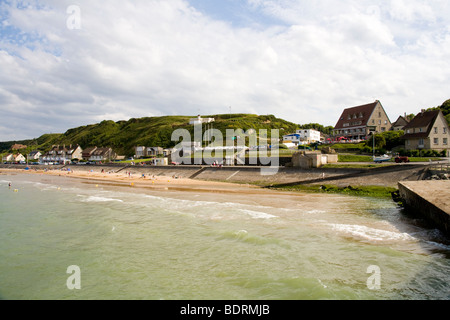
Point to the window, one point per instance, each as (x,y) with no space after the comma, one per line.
(383,129)
(445,130)
(385,122)
(421,143)
(373,121)
(407,142)
(379,114)
(444,141)
(435,130)
(436,141)
(379,122)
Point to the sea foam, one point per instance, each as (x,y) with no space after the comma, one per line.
(371,234)
(99,199)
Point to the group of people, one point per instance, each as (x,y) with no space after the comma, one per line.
(216,164)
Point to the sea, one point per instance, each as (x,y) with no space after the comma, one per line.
(71,239)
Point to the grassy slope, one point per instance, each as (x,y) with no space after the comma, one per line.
(123,136)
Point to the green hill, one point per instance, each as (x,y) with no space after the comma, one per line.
(123,136)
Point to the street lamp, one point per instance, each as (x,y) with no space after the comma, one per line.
(373,129)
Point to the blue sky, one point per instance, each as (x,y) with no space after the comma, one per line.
(300,60)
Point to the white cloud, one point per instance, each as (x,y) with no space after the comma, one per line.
(142,58)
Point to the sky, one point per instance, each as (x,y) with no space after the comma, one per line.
(65,64)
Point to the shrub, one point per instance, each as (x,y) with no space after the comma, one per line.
(427,153)
(414,153)
(366,149)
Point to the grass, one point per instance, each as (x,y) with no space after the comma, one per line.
(135,161)
(365,158)
(355,165)
(423,159)
(365,191)
(348,146)
(354,158)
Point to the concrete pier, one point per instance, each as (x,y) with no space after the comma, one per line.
(429,199)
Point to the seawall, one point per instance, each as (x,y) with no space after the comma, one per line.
(387,176)
(428,199)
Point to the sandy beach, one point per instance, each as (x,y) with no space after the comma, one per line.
(132,179)
(183,188)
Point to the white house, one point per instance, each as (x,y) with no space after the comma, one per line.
(34,155)
(309,135)
(14,158)
(8,158)
(62,154)
(19,158)
(200,120)
(291,140)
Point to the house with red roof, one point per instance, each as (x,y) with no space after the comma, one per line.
(356,123)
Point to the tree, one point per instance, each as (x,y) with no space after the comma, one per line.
(446,110)
(380,141)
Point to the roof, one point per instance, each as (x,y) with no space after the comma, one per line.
(363,114)
(401,121)
(425,119)
(100,151)
(88,151)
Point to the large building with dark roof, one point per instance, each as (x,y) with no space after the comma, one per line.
(428,130)
(356,123)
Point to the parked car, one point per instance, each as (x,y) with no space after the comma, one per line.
(401,159)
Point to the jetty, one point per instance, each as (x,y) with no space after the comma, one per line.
(429,199)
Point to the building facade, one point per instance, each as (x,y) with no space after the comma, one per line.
(62,154)
(14,158)
(358,122)
(200,120)
(400,124)
(102,155)
(428,130)
(309,135)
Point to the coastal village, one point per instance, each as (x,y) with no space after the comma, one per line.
(427,133)
(315,160)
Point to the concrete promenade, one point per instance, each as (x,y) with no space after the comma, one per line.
(429,199)
(380,176)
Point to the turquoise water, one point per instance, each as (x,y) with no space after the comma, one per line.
(132,243)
